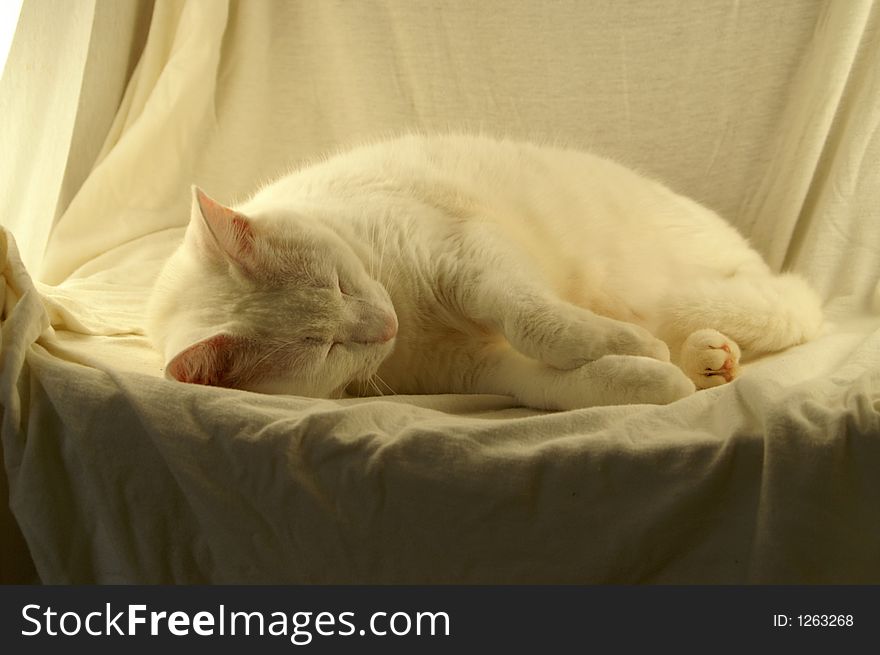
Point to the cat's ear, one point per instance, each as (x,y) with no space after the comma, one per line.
(220,231)
(215,361)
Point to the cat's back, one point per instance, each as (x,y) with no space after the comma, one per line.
(563,206)
(475,164)
(510,180)
(478,165)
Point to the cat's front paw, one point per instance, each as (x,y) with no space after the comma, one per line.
(622,380)
(709,358)
(630,339)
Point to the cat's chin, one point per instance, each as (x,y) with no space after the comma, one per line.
(358,389)
(282,387)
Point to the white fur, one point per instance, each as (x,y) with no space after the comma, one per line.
(547,274)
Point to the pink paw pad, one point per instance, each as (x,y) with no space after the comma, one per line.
(709,358)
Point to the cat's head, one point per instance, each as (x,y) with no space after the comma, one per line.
(269,302)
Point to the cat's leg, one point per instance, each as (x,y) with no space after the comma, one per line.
(500,287)
(540,325)
(609,380)
(566,336)
(709,323)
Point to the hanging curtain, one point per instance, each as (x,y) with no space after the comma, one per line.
(67,70)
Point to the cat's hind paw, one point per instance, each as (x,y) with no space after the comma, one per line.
(709,358)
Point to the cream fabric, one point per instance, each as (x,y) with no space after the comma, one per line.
(66,73)
(767,112)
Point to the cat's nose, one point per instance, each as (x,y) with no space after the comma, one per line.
(390,328)
(377,328)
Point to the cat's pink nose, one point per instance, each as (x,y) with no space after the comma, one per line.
(390,330)
(379,328)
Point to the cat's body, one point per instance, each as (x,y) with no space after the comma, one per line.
(468,265)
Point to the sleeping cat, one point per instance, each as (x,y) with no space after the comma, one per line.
(458,264)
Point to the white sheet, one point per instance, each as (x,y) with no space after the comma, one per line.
(763,112)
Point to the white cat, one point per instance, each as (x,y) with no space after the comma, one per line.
(457,264)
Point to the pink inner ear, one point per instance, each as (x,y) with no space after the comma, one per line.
(208,362)
(231,231)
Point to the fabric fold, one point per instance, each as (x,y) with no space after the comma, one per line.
(167,114)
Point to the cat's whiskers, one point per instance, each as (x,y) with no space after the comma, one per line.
(386,385)
(365,385)
(362,388)
(376,387)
